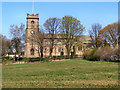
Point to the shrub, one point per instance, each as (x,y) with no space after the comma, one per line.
(54,57)
(91,55)
(66,57)
(29,59)
(5,58)
(26,59)
(107,54)
(34,59)
(101,54)
(75,56)
(46,58)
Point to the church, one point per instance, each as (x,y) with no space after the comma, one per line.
(32,27)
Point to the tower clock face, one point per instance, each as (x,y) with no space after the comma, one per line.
(32,32)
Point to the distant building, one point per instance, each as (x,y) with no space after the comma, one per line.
(11,55)
(30,48)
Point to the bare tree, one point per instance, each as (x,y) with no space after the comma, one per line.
(38,40)
(109,35)
(17,34)
(52,25)
(6,45)
(94,34)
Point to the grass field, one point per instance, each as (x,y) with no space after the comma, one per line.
(76,73)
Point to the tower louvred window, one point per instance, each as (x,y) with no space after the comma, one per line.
(32,51)
(32,22)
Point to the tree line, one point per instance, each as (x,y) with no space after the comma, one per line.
(105,42)
(70,29)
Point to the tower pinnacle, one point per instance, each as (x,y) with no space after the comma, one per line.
(32,6)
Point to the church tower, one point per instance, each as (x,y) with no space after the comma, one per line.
(32,27)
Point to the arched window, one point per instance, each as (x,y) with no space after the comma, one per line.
(60,49)
(80,48)
(32,21)
(32,51)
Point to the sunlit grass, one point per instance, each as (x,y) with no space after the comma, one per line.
(76,73)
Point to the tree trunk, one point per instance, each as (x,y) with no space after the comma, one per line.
(39,53)
(41,50)
(51,49)
(15,57)
(74,51)
(52,44)
(68,52)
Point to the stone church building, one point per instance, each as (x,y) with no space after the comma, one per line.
(30,49)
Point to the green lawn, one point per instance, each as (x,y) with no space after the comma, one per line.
(76,73)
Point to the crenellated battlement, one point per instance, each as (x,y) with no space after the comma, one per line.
(32,15)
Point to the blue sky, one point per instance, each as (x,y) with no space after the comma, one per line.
(87,12)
